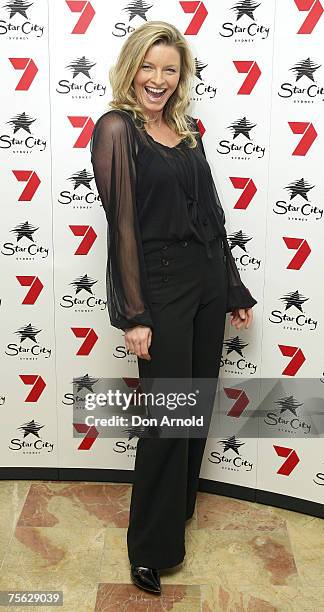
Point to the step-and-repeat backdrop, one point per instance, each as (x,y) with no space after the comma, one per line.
(258,96)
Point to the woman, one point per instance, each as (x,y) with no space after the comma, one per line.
(171,276)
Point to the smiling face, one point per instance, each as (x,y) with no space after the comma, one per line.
(158,77)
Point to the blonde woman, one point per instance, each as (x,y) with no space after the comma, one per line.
(171,277)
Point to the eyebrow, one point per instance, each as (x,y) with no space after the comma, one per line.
(167,66)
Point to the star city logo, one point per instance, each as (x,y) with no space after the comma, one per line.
(230,458)
(80,181)
(240,239)
(299,207)
(307,90)
(286,420)
(84,90)
(84,383)
(27,335)
(31,447)
(21,123)
(136,9)
(240,365)
(202,90)
(20,26)
(24,232)
(83,284)
(245,31)
(293,301)
(241,129)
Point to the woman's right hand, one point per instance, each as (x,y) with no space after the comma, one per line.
(138,341)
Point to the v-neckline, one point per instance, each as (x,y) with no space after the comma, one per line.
(161,143)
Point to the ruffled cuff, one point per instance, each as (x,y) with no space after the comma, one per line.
(239,297)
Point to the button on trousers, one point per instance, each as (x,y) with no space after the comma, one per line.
(188,297)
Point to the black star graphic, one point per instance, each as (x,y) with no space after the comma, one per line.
(245,7)
(305,68)
(300,187)
(81,178)
(81,65)
(294,299)
(25,230)
(83,282)
(242,126)
(137,8)
(28,332)
(18,6)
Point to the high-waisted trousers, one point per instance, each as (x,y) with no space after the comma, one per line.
(188,295)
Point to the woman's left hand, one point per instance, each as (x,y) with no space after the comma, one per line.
(241,317)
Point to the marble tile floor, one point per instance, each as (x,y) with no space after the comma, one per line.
(240,556)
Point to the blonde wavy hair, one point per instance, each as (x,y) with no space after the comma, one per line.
(129,61)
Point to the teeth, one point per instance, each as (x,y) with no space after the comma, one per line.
(154,90)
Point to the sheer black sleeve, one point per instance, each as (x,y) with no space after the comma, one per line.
(238,295)
(113,151)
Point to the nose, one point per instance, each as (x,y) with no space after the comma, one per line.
(157,78)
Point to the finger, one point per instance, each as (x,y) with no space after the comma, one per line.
(144,350)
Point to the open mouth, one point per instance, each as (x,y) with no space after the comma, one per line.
(154,93)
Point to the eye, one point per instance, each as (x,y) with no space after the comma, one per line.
(171,69)
(145,66)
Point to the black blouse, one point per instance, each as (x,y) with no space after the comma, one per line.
(153,195)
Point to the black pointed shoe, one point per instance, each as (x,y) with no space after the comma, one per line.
(146,578)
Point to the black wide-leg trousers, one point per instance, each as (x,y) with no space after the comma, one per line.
(189,294)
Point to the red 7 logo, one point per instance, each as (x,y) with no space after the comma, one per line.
(38,386)
(241,403)
(91,433)
(249,191)
(253,72)
(90,339)
(297,358)
(35,288)
(30,71)
(306,128)
(33,183)
(87,14)
(200,14)
(89,237)
(303,251)
(84,138)
(315,11)
(291,457)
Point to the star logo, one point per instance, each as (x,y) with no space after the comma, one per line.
(24,230)
(245,7)
(83,283)
(242,126)
(81,178)
(235,344)
(21,122)
(85,382)
(300,187)
(288,403)
(31,428)
(239,239)
(18,6)
(294,299)
(231,443)
(305,68)
(81,66)
(29,332)
(199,68)
(137,9)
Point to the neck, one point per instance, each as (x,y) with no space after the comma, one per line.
(155,118)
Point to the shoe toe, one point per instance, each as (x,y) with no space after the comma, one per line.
(146,578)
